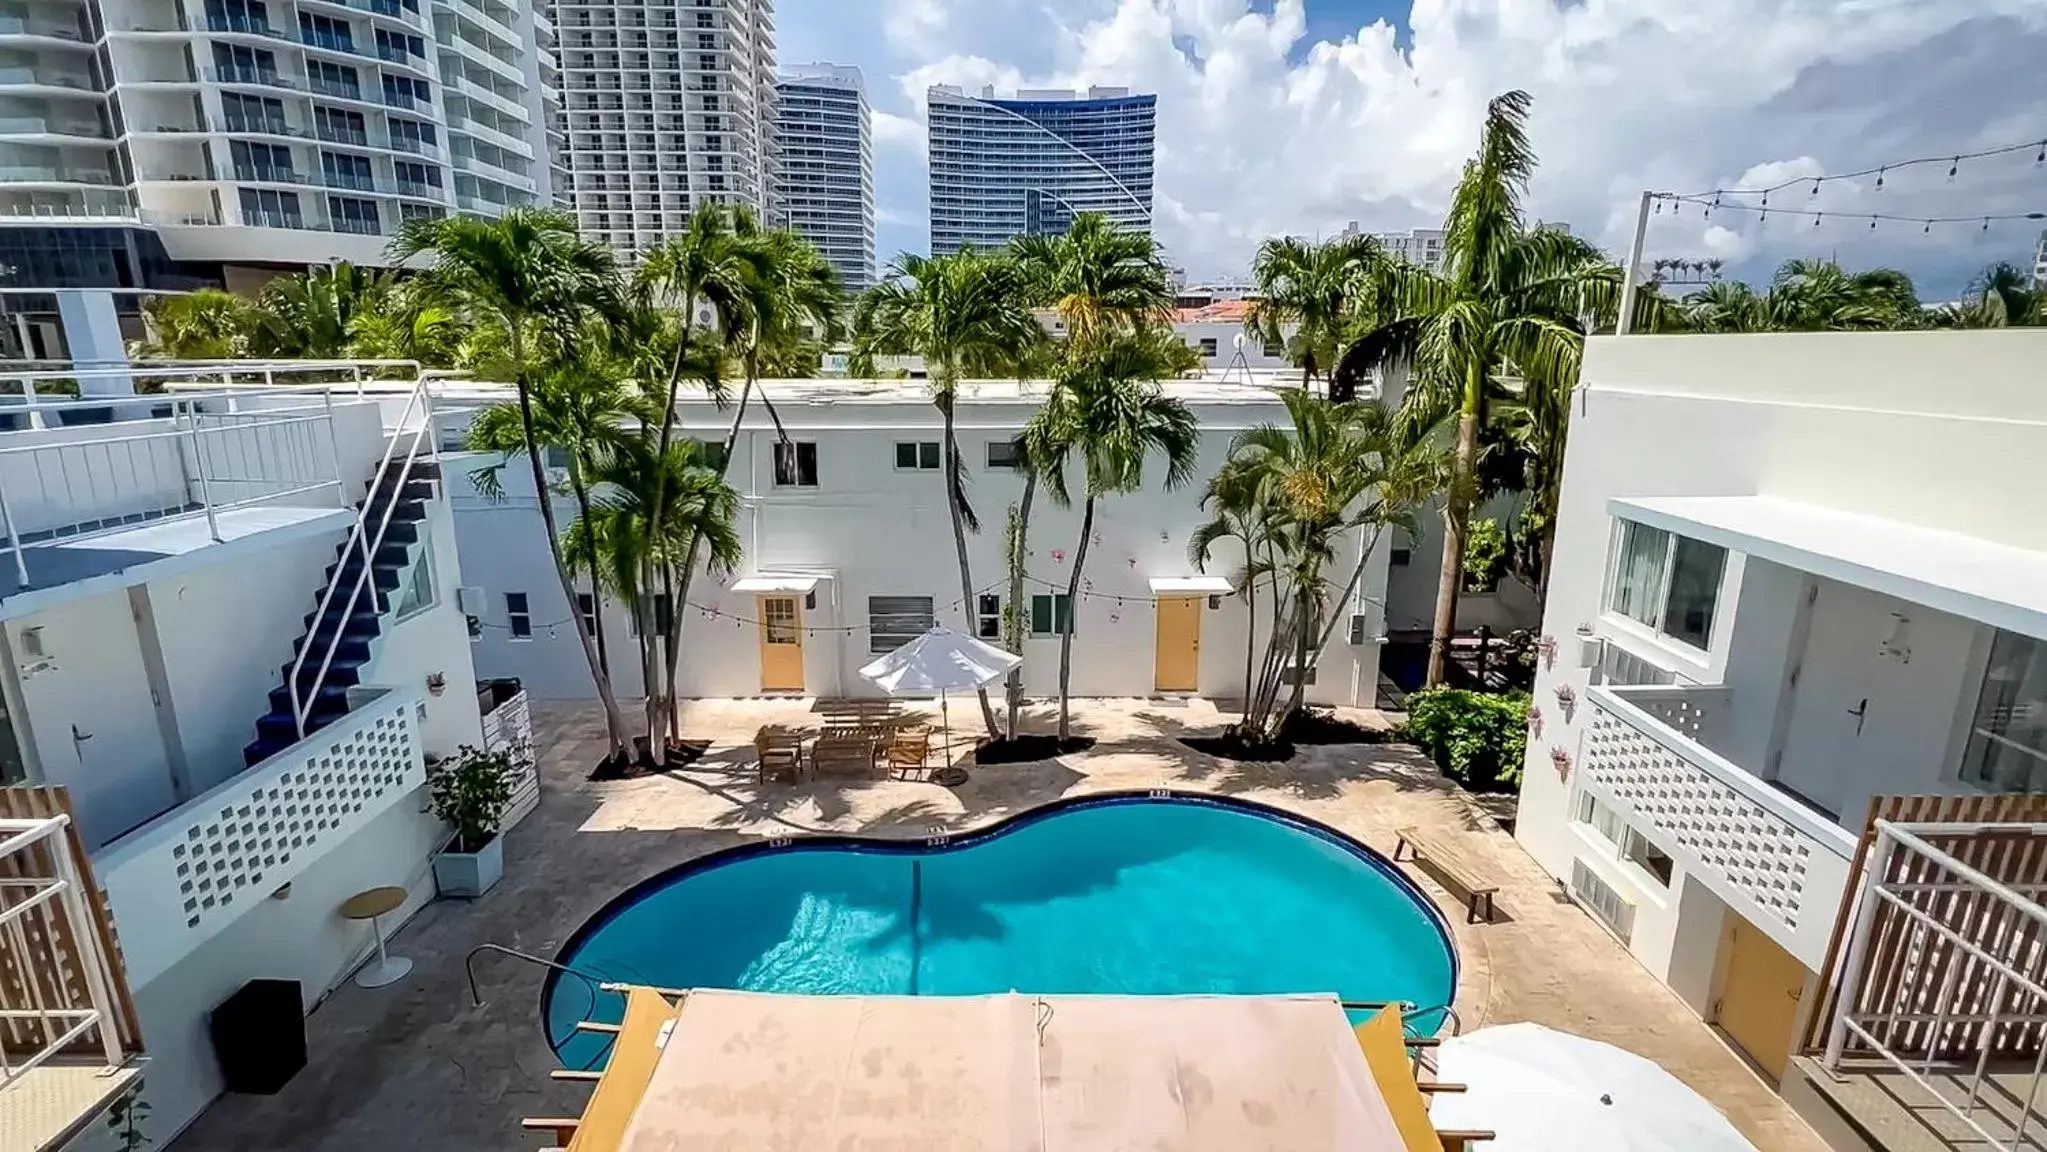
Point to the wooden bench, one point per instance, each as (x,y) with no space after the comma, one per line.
(780,749)
(844,753)
(1477,883)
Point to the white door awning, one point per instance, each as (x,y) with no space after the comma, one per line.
(772,583)
(1190,586)
(1998,584)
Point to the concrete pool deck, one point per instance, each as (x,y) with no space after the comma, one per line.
(414,1065)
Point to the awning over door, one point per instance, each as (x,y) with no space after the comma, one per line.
(1998,584)
(1190,586)
(772,583)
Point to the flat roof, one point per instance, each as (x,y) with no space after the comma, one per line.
(1260,387)
(1015,1072)
(1998,584)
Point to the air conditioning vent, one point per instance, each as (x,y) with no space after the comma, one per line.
(472,600)
(1602,901)
(1358,626)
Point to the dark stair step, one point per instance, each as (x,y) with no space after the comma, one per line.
(345,669)
(330,695)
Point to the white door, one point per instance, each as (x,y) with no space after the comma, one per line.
(1840,692)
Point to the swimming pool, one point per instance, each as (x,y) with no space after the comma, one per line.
(1123,893)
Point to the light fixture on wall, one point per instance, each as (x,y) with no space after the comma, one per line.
(34,656)
(1897,641)
(436,683)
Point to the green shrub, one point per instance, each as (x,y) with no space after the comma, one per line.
(472,790)
(1485,555)
(1478,739)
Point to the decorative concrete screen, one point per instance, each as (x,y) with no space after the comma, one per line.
(1761,854)
(178,881)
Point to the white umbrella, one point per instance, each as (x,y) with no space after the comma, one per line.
(940,661)
(1541,1090)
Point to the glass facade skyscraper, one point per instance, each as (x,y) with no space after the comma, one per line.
(1026,166)
(826,190)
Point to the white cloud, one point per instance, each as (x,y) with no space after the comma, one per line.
(1262,132)
(899,132)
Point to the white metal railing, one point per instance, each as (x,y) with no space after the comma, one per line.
(179,880)
(1756,846)
(44,912)
(27,389)
(419,441)
(1965,953)
(178,455)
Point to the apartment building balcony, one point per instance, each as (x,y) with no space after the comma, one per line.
(418,147)
(388,11)
(66,207)
(28,32)
(488,171)
(1763,851)
(70,1045)
(481,18)
(489,134)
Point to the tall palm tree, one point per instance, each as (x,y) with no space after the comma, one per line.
(1807,295)
(1099,276)
(1317,288)
(1239,512)
(2011,292)
(1507,311)
(1109,415)
(311,314)
(964,313)
(204,324)
(529,275)
(581,409)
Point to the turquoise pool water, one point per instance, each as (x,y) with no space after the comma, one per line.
(1126,894)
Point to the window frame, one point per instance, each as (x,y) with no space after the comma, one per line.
(519,619)
(427,593)
(1620,842)
(1053,601)
(988,616)
(794,458)
(881,641)
(1015,455)
(586,607)
(917,450)
(1659,599)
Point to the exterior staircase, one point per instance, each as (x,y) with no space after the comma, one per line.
(358,620)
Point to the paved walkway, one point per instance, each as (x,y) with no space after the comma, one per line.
(416,1066)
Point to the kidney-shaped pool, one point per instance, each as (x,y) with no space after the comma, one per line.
(1121,893)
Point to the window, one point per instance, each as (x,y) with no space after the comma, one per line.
(1669,583)
(1602,901)
(418,593)
(988,617)
(664,615)
(1402,552)
(795,464)
(1004,454)
(586,607)
(1050,615)
(778,619)
(518,618)
(269,208)
(1208,346)
(893,621)
(2007,749)
(921,456)
(1630,845)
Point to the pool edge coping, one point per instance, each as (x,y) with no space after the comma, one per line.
(995,829)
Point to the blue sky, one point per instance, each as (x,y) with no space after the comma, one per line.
(1277,116)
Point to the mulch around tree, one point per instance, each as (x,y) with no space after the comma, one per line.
(1310,726)
(681,754)
(1024,749)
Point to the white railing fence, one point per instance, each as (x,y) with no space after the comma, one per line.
(412,442)
(56,986)
(1945,974)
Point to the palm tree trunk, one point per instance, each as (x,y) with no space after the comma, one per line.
(688,573)
(1019,550)
(614,719)
(1250,636)
(1327,627)
(657,519)
(1302,630)
(650,660)
(582,492)
(1456,520)
(1087,528)
(959,538)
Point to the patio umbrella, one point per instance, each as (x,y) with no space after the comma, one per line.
(940,661)
(1542,1090)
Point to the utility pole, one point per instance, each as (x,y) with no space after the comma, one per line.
(1632,274)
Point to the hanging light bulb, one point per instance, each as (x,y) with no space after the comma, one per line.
(1954,168)
(1880,178)
(1815,219)
(1815,187)
(1872,223)
(1986,223)
(2042,157)
(1766,199)
(1928,230)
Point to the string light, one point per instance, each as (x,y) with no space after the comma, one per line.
(1953,160)
(1927,222)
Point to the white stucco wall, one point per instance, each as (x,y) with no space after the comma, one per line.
(871,530)
(1933,429)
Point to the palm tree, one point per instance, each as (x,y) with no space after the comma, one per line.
(1727,306)
(1510,304)
(1241,514)
(1295,495)
(964,313)
(581,409)
(1099,276)
(1809,296)
(2008,292)
(311,315)
(1317,288)
(204,324)
(528,274)
(1109,414)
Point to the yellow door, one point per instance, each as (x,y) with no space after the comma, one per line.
(781,644)
(1759,999)
(1179,644)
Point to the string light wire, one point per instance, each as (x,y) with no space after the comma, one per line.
(1953,160)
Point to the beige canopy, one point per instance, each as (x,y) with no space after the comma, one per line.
(1009,1073)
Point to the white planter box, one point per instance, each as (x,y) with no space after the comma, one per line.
(470,874)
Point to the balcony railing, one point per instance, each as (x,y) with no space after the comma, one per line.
(152,458)
(1780,863)
(182,878)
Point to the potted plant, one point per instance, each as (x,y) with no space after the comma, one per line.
(471,791)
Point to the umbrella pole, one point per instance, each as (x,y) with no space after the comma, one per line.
(945,717)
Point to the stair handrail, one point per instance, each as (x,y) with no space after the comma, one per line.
(359,536)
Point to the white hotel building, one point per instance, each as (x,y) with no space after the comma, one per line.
(824,134)
(1794,573)
(846,533)
(168,570)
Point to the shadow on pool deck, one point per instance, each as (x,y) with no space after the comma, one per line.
(389,1066)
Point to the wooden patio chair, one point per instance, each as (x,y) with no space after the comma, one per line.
(780,750)
(909,749)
